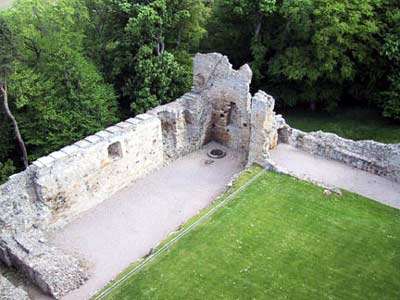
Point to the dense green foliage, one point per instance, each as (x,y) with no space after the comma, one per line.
(320,52)
(57,95)
(78,66)
(6,169)
(280,238)
(75,66)
(142,47)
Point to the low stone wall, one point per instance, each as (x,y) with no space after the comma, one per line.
(377,158)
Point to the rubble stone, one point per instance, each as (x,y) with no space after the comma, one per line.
(54,272)
(10,292)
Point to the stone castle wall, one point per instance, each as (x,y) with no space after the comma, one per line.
(84,174)
(58,187)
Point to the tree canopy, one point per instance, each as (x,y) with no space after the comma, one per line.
(75,66)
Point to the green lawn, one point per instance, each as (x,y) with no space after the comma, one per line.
(356,124)
(280,238)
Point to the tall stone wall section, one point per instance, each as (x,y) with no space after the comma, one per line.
(227,91)
(264,133)
(216,109)
(184,124)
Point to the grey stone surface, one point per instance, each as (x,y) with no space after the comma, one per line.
(228,92)
(54,272)
(264,133)
(19,210)
(10,292)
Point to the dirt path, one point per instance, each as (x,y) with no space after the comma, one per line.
(337,174)
(125,227)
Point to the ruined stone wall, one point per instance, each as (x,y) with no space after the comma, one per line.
(61,185)
(58,187)
(19,208)
(184,124)
(84,174)
(377,158)
(264,134)
(228,92)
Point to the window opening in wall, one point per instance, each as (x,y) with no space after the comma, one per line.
(115,151)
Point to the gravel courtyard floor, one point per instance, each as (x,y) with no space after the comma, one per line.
(337,174)
(127,226)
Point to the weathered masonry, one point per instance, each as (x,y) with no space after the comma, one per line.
(57,188)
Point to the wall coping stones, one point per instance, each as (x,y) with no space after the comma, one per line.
(46,160)
(124,125)
(93,139)
(144,117)
(58,155)
(113,129)
(83,144)
(133,121)
(71,149)
(103,134)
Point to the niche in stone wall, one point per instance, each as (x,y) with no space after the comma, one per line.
(232,114)
(115,151)
(283,135)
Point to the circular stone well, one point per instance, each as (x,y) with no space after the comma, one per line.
(216,153)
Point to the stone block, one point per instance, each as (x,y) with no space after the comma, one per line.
(83,144)
(54,272)
(10,292)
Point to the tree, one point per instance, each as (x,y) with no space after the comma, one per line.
(389,49)
(6,169)
(158,80)
(320,46)
(7,52)
(147,48)
(58,95)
